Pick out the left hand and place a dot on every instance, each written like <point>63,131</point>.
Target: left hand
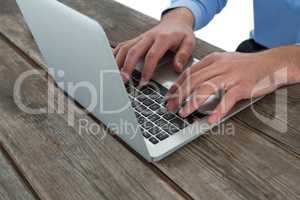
<point>239,75</point>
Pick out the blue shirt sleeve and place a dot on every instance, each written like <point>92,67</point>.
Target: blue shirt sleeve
<point>203,10</point>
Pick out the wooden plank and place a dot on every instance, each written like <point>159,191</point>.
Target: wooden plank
<point>12,186</point>
<point>243,166</point>
<point>64,162</point>
<point>288,139</point>
<point>246,165</point>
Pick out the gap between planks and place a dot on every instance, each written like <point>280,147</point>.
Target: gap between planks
<point>18,171</point>
<point>272,140</point>
<point>151,166</point>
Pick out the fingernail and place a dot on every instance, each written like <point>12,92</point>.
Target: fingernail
<point>125,77</point>
<point>182,113</point>
<point>179,65</point>
<point>168,106</point>
<point>170,95</point>
<point>142,83</point>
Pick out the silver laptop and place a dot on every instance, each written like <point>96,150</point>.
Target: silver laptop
<point>78,53</point>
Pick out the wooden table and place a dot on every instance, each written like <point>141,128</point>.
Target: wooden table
<point>41,157</point>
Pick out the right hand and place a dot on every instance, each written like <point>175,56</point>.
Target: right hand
<point>174,32</point>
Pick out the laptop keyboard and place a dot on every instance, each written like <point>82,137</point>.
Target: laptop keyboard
<point>155,122</point>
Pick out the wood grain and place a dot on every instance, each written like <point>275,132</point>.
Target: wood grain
<point>276,124</point>
<point>12,186</point>
<point>242,166</point>
<point>256,162</point>
<point>64,162</point>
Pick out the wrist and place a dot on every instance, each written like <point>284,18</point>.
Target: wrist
<point>292,56</point>
<point>180,15</point>
<point>288,57</point>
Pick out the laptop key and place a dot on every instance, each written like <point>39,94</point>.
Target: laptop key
<point>141,97</point>
<point>147,125</point>
<point>135,93</point>
<point>162,136</point>
<point>147,91</point>
<point>161,122</point>
<point>199,115</point>
<point>169,116</point>
<point>146,134</point>
<point>137,104</point>
<point>133,103</point>
<point>147,102</point>
<point>161,111</point>
<point>154,130</point>
<point>171,129</point>
<point>154,96</point>
<point>159,100</point>
<point>139,107</point>
<point>146,112</point>
<point>190,119</point>
<point>137,114</point>
<point>142,130</point>
<point>179,123</point>
<point>141,120</point>
<point>153,117</point>
<point>159,88</point>
<point>155,107</point>
<point>153,140</point>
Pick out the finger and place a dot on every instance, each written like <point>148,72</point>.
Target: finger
<point>123,49</point>
<point>155,53</point>
<point>200,96</point>
<point>178,82</point>
<point>121,56</point>
<point>116,50</point>
<point>135,54</point>
<point>231,97</point>
<point>190,83</point>
<point>207,61</point>
<point>184,53</point>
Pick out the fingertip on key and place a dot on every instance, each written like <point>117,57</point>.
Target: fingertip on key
<point>125,77</point>
<point>182,113</point>
<point>143,83</point>
<point>179,67</point>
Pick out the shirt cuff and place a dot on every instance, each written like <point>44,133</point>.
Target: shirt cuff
<point>194,7</point>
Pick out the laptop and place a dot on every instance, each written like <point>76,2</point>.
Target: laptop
<point>78,54</point>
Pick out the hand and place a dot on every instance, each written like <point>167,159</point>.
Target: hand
<point>239,75</point>
<point>174,32</point>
